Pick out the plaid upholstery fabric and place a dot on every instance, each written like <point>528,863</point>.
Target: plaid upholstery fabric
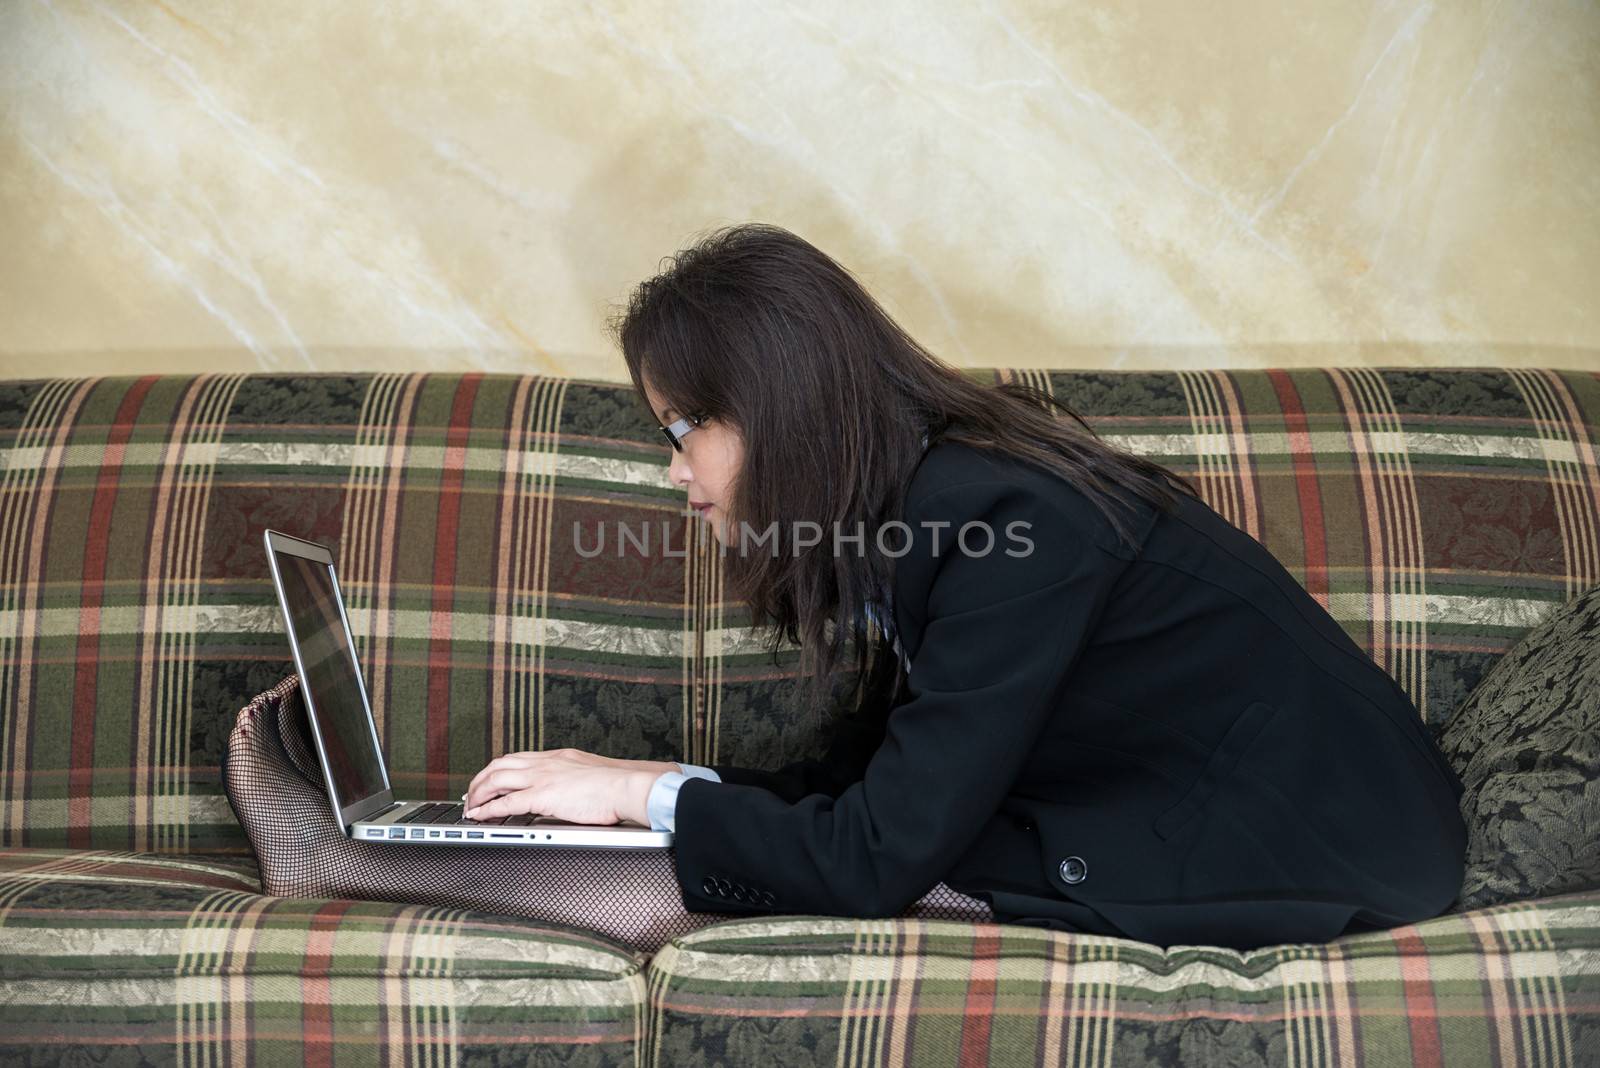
<point>165,960</point>
<point>1437,513</point>
<point>1508,985</point>
<point>138,618</point>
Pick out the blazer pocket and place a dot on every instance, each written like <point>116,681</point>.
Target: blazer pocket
<point>1218,766</point>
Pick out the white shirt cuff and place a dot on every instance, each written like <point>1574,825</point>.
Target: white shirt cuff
<point>662,805</point>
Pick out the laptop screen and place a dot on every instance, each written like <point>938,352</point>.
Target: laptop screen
<point>331,679</point>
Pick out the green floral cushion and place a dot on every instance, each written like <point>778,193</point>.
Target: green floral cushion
<point>1526,743</point>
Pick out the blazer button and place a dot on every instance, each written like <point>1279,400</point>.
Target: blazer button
<point>724,888</point>
<point>1074,870</point>
<point>738,892</point>
<point>709,885</point>
<point>766,897</point>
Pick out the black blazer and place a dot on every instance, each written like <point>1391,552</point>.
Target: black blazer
<point>1173,743</point>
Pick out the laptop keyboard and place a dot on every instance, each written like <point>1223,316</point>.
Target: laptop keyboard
<point>450,812</point>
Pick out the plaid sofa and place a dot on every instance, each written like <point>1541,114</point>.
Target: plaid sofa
<point>1437,513</point>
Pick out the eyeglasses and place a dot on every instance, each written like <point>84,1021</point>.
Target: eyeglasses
<point>678,428</point>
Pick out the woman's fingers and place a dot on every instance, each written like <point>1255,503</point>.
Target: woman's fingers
<point>511,804</point>
<point>529,759</point>
<point>499,782</point>
<point>560,789</point>
<point>504,792</point>
<point>515,771</point>
<point>499,763</point>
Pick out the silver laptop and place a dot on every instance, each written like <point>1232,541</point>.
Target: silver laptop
<point>347,737</point>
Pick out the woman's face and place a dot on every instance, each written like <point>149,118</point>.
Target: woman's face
<point>706,466</point>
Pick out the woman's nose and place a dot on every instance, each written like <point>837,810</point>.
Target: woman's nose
<point>678,471</point>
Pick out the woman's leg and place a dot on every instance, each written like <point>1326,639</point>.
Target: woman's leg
<point>944,903</point>
<point>632,896</point>
<point>274,784</point>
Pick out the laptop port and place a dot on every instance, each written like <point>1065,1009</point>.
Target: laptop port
<point>418,832</point>
<point>505,836</point>
<point>433,834</point>
<point>474,834</point>
<point>374,832</point>
<point>397,832</point>
<point>452,834</point>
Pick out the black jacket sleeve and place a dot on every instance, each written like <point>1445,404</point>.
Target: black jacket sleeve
<point>1000,634</point>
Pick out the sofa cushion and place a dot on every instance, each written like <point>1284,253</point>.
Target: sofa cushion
<point>1519,980</point>
<point>137,614</point>
<point>1426,507</point>
<point>169,960</point>
<point>20,866</point>
<point>1526,744</point>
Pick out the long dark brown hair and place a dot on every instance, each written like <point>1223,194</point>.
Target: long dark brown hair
<point>757,328</point>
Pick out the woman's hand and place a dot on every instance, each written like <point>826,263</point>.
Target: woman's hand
<point>566,784</point>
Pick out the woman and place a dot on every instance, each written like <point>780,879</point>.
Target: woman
<point>1090,701</point>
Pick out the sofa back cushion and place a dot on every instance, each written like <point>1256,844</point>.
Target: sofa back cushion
<point>1437,513</point>
<point>139,616</point>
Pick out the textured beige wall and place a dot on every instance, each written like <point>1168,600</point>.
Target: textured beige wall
<point>204,185</point>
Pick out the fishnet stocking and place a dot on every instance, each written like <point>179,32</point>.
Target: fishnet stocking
<point>274,783</point>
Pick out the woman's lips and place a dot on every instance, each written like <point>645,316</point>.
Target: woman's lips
<point>700,506</point>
